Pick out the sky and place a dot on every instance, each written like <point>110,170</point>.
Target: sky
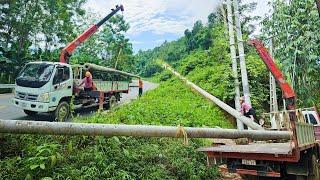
<point>154,21</point>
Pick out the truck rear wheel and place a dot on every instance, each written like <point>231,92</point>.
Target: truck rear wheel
<point>62,112</point>
<point>315,169</point>
<point>30,113</point>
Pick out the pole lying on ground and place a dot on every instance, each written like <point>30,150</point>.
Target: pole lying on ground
<point>67,128</point>
<point>221,104</point>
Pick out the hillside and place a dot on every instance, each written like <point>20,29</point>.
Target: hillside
<point>210,67</point>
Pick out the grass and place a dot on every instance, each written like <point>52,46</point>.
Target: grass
<point>83,157</point>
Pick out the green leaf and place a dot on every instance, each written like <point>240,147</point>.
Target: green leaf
<point>34,166</point>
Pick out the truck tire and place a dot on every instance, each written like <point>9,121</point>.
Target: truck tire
<point>112,102</point>
<point>315,173</point>
<point>62,113</point>
<point>315,169</point>
<point>30,113</point>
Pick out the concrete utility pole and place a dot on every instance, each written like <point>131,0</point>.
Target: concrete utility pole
<point>243,68</point>
<point>273,94</point>
<point>234,61</point>
<point>108,130</point>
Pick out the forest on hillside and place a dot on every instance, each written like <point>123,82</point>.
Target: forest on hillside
<point>202,54</point>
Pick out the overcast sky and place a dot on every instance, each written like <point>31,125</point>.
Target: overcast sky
<point>154,21</point>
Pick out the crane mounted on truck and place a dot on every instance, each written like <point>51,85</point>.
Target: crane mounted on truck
<point>297,158</point>
<point>49,86</point>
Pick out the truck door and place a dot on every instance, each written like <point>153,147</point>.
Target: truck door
<point>61,84</point>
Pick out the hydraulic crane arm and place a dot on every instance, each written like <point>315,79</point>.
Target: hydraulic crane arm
<point>288,92</point>
<point>68,50</point>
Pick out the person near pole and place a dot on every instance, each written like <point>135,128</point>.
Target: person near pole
<point>247,110</point>
<point>87,81</point>
<point>140,87</point>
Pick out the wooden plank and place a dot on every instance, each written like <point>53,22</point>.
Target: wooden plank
<point>258,148</point>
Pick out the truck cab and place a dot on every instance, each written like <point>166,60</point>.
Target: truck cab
<point>43,86</point>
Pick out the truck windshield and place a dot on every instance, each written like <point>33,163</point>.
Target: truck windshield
<point>36,72</point>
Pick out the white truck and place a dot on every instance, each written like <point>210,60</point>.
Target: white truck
<point>49,87</point>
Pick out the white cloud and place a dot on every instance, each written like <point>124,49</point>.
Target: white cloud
<point>136,42</point>
<point>158,16</point>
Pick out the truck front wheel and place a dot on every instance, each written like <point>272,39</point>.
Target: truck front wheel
<point>62,112</point>
<point>30,113</point>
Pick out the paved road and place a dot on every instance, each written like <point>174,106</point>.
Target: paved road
<point>9,111</point>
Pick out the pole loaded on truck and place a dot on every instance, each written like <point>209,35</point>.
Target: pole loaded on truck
<point>49,86</point>
<point>294,159</point>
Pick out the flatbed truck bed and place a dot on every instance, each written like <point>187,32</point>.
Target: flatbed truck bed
<point>297,158</point>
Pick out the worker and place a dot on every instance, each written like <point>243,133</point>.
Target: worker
<point>140,87</point>
<point>247,110</point>
<point>87,81</point>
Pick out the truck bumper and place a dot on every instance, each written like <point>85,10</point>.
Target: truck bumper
<point>32,106</point>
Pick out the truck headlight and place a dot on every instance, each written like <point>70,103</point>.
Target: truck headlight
<point>44,97</point>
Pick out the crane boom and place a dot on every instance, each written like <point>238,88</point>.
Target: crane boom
<point>68,50</point>
<point>287,90</point>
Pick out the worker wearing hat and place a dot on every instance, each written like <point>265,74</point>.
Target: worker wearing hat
<point>247,110</point>
<point>87,81</point>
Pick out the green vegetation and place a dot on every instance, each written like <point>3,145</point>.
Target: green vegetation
<point>81,157</point>
<point>294,26</point>
<point>171,104</point>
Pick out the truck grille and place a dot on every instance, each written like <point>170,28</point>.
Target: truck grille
<point>26,96</point>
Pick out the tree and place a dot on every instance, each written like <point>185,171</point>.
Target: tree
<point>32,29</point>
<point>294,26</point>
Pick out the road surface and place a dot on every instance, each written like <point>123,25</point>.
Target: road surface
<point>9,111</point>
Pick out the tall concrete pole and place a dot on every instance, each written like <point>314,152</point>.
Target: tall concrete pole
<point>243,68</point>
<point>273,94</point>
<point>234,61</point>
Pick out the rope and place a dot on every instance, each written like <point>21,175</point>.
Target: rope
<point>181,132</point>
